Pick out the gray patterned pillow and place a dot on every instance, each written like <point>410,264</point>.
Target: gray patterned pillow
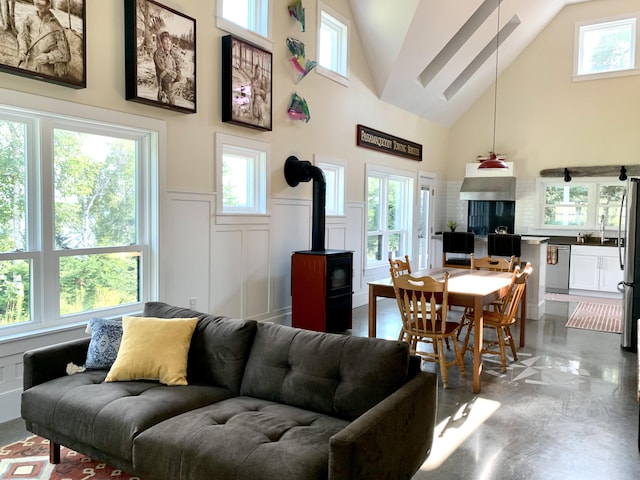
<point>106,335</point>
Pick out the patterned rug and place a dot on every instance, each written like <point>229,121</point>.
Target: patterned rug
<point>597,316</point>
<point>29,460</point>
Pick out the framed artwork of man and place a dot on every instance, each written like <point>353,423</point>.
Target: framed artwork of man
<point>45,40</point>
<point>160,56</point>
<point>246,84</point>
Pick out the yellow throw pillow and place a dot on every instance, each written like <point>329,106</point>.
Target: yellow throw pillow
<point>153,349</point>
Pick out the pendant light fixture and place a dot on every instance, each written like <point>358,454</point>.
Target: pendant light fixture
<point>493,161</point>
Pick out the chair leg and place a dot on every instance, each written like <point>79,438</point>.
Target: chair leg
<point>503,353</point>
<point>465,343</point>
<point>512,344</point>
<point>459,358</point>
<point>443,364</point>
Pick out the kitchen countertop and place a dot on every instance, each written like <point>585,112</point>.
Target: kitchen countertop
<point>592,242</point>
<point>527,239</point>
<point>552,240</point>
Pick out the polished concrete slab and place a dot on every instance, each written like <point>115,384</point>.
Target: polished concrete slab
<point>565,410</point>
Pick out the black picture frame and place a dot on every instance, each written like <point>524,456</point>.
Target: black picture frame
<point>54,53</point>
<point>153,75</point>
<point>246,84</point>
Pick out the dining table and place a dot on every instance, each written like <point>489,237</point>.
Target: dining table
<point>467,288</point>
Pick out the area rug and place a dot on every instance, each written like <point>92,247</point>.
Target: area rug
<point>563,297</point>
<point>29,460</point>
<point>597,316</point>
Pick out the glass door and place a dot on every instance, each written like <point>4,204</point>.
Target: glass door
<point>424,223</point>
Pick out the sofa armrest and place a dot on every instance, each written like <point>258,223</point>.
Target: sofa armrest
<point>46,363</point>
<point>392,439</point>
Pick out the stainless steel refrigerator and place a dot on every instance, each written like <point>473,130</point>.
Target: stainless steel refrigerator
<point>630,263</point>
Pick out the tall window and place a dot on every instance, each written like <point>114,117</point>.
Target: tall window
<point>606,48</point>
<point>334,178</point>
<point>249,19</point>
<point>242,166</point>
<point>333,44</point>
<point>75,220</point>
<point>389,213</point>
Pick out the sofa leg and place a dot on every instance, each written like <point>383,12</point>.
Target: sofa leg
<point>54,452</point>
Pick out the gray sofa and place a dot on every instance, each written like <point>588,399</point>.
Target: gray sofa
<point>264,401</point>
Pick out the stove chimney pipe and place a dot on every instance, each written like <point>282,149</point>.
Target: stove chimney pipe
<point>296,171</point>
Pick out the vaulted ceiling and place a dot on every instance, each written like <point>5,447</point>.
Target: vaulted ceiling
<point>436,57</point>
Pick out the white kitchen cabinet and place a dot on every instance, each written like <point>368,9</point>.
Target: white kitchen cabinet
<point>594,268</point>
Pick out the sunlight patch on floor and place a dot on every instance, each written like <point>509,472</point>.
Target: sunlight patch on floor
<point>454,430</point>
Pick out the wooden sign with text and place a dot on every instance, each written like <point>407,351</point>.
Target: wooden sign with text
<point>383,142</point>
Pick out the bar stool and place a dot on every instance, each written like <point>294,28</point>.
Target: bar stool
<point>504,245</point>
<point>457,243</point>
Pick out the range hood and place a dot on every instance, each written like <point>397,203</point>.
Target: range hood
<point>488,188</point>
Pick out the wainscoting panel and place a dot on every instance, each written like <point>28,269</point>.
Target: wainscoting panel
<point>355,239</point>
<point>185,258</point>
<point>227,267</point>
<point>257,267</point>
<point>291,232</point>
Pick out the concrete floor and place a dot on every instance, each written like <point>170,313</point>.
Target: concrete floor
<point>566,410</point>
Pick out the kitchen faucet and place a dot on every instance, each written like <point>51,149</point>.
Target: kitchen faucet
<point>602,238</point>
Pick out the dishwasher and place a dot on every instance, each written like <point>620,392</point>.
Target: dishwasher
<point>558,273</point>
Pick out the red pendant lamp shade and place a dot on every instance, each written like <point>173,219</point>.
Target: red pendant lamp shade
<point>493,162</point>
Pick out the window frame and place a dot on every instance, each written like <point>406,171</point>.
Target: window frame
<point>42,116</point>
<point>335,203</point>
<point>260,183</point>
<point>594,185</point>
<point>340,54</point>
<point>262,12</point>
<point>407,214</point>
<point>591,25</point>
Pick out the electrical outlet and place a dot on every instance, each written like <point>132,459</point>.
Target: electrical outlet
<point>192,303</point>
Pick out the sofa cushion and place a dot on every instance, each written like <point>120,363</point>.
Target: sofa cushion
<point>106,335</point>
<point>108,416</point>
<point>153,349</point>
<point>338,375</point>
<point>238,438</point>
<point>219,346</point>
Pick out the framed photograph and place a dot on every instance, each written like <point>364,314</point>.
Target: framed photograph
<point>45,40</point>
<point>160,56</point>
<point>246,84</point>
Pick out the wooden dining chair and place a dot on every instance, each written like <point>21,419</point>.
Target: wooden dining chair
<point>502,319</point>
<point>423,322</point>
<point>401,267</point>
<point>493,264</point>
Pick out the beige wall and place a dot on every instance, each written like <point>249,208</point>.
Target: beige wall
<point>545,120</point>
<point>335,109</point>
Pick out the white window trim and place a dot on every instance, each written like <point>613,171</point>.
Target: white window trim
<point>618,73</point>
<point>593,183</point>
<point>248,35</point>
<point>225,218</point>
<point>336,166</point>
<point>326,72</point>
<point>375,170</point>
<point>60,111</point>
